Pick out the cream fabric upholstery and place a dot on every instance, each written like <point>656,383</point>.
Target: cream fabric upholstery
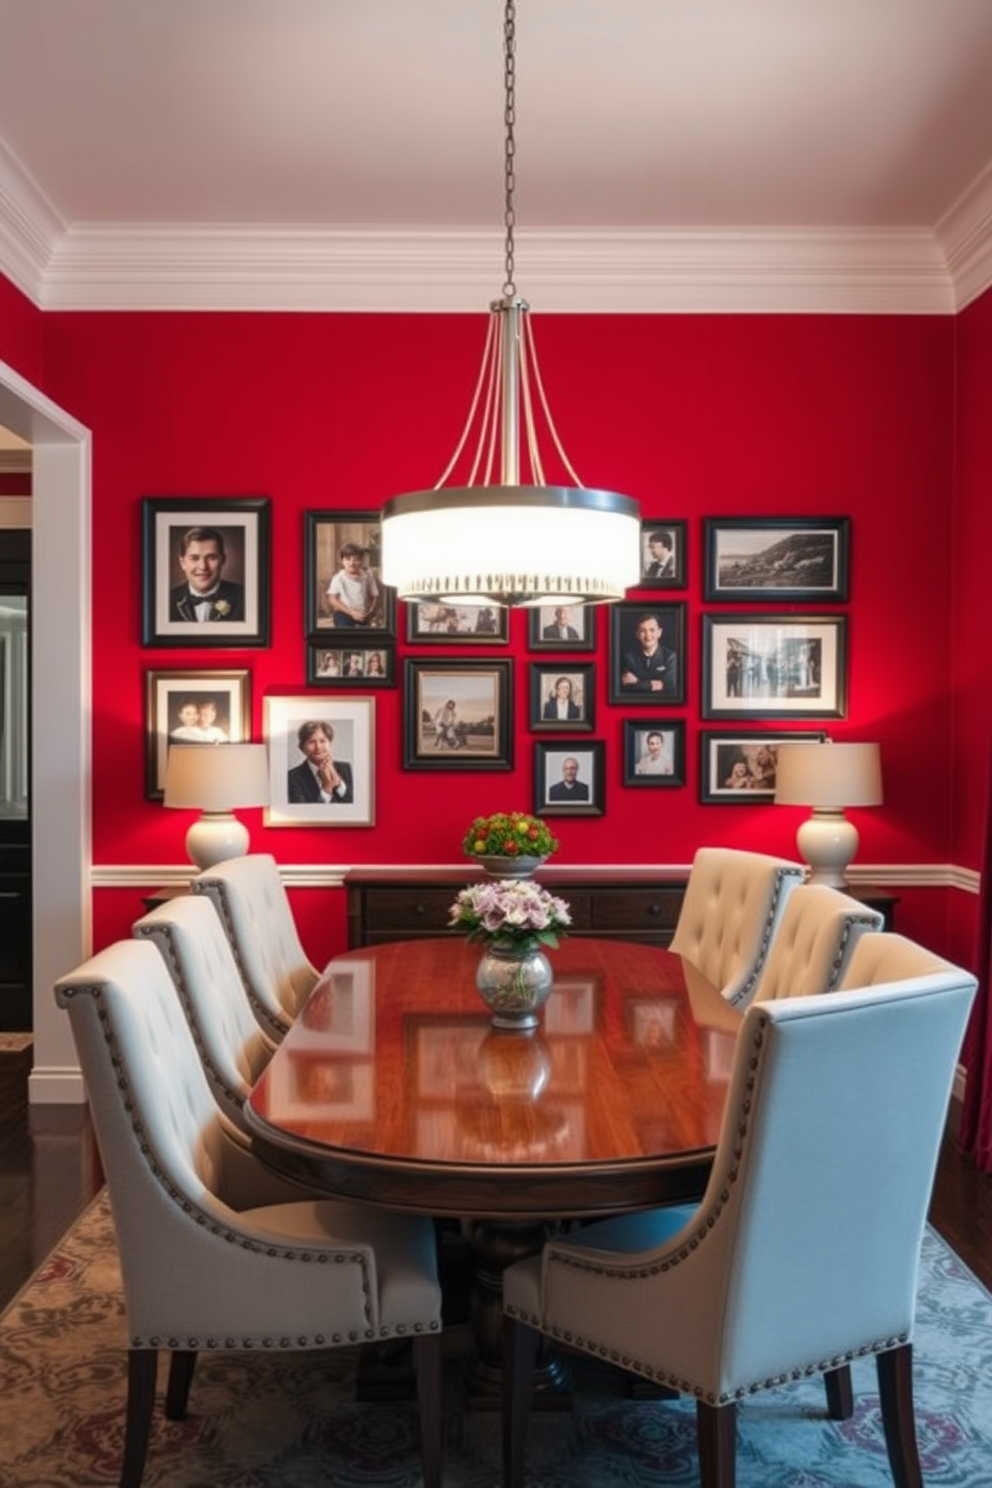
<point>888,957</point>
<point>200,1270</point>
<point>731,909</point>
<point>803,1252</point>
<point>232,1047</point>
<point>814,942</point>
<point>255,912</point>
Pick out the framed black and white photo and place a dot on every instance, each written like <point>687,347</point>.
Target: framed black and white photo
<point>434,623</point>
<point>359,663</point>
<point>342,575</point>
<point>569,778</point>
<point>653,753</point>
<point>321,761</point>
<point>774,666</point>
<point>205,571</point>
<point>738,768</point>
<point>192,708</point>
<point>647,654</point>
<point>562,627</point>
<point>803,559</point>
<point>562,695</point>
<point>457,715</point>
<point>663,554</point>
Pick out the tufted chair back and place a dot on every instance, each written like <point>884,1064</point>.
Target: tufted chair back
<point>813,944</point>
<point>732,906</point>
<point>201,1270</point>
<point>888,957</point>
<point>232,1047</point>
<point>249,897</point>
<point>803,1252</point>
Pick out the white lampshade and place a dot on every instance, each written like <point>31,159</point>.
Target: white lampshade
<point>828,777</point>
<point>216,778</point>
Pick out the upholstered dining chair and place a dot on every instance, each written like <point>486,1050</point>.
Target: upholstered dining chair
<point>232,1046</point>
<point>258,920</point>
<point>732,906</point>
<point>803,1252</point>
<point>201,1270</point>
<point>813,944</point>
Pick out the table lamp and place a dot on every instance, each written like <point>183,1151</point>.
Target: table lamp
<point>828,777</point>
<point>215,778</point>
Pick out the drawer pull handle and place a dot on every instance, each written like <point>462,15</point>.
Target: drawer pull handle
<point>420,909</point>
<point>654,909</point>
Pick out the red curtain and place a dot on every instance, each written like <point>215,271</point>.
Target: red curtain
<point>976,1117</point>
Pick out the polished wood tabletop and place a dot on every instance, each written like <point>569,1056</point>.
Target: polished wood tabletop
<point>392,1086</point>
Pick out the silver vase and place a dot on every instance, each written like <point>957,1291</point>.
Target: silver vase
<point>514,983</point>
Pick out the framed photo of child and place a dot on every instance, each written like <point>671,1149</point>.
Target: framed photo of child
<point>345,594</point>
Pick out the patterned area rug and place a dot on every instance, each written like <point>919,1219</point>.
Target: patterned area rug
<point>291,1421</point>
<point>14,1043</point>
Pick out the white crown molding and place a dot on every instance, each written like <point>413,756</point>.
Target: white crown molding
<point>30,227</point>
<point>965,233</point>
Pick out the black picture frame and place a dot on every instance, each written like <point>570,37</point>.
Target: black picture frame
<point>672,554</point>
<point>330,663</point>
<point>641,769</point>
<point>549,777</point>
<point>542,630</point>
<point>325,534</point>
<point>170,695</point>
<point>239,526</point>
<point>438,624</point>
<point>625,620</point>
<point>581,700</point>
<point>732,770</point>
<point>802,560</point>
<point>480,734</point>
<point>773,666</point>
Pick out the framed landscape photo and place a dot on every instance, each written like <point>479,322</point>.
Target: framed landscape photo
<point>333,663</point>
<point>774,666</point>
<point>436,624</point>
<point>569,778</point>
<point>457,715</point>
<point>562,695</point>
<point>321,761</point>
<point>653,753</point>
<point>192,708</point>
<point>647,654</point>
<point>802,559</point>
<point>566,627</point>
<point>205,571</point>
<point>663,554</point>
<point>342,575</point>
<point>739,768</point>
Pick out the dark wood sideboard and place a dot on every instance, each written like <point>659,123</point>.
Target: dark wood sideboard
<point>640,904</point>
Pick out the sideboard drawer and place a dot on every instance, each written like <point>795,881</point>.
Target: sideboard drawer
<point>653,910</point>
<point>414,909</point>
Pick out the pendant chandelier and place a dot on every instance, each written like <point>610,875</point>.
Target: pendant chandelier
<point>501,541</point>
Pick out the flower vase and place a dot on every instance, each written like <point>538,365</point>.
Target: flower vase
<point>509,867</point>
<point>514,983</point>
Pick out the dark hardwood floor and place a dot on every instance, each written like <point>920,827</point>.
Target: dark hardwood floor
<point>50,1170</point>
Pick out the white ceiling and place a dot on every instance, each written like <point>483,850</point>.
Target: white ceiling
<point>671,154</point>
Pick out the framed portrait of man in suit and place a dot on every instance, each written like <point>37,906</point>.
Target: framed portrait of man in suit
<point>205,571</point>
<point>321,761</point>
<point>562,627</point>
<point>663,554</point>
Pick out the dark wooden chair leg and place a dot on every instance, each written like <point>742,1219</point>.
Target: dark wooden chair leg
<point>716,1434</point>
<point>427,1368</point>
<point>181,1367</point>
<point>141,1374</point>
<point>895,1388</point>
<point>840,1393</point>
<point>520,1347</point>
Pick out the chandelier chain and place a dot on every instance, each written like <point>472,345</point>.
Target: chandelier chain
<point>509,120</point>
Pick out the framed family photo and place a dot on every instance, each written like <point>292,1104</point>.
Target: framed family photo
<point>434,623</point>
<point>562,695</point>
<point>569,778</point>
<point>653,753</point>
<point>205,571</point>
<point>192,708</point>
<point>342,575</point>
<point>562,627</point>
<point>332,663</point>
<point>739,768</point>
<point>647,654</point>
<point>774,666</point>
<point>777,558</point>
<point>321,761</point>
<point>457,715</point>
<point>663,554</point>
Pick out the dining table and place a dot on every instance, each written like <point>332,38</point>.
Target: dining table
<point>393,1088</point>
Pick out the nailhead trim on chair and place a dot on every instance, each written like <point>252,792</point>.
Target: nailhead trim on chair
<point>277,1027</point>
<point>782,875</point>
<point>654,1268</point>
